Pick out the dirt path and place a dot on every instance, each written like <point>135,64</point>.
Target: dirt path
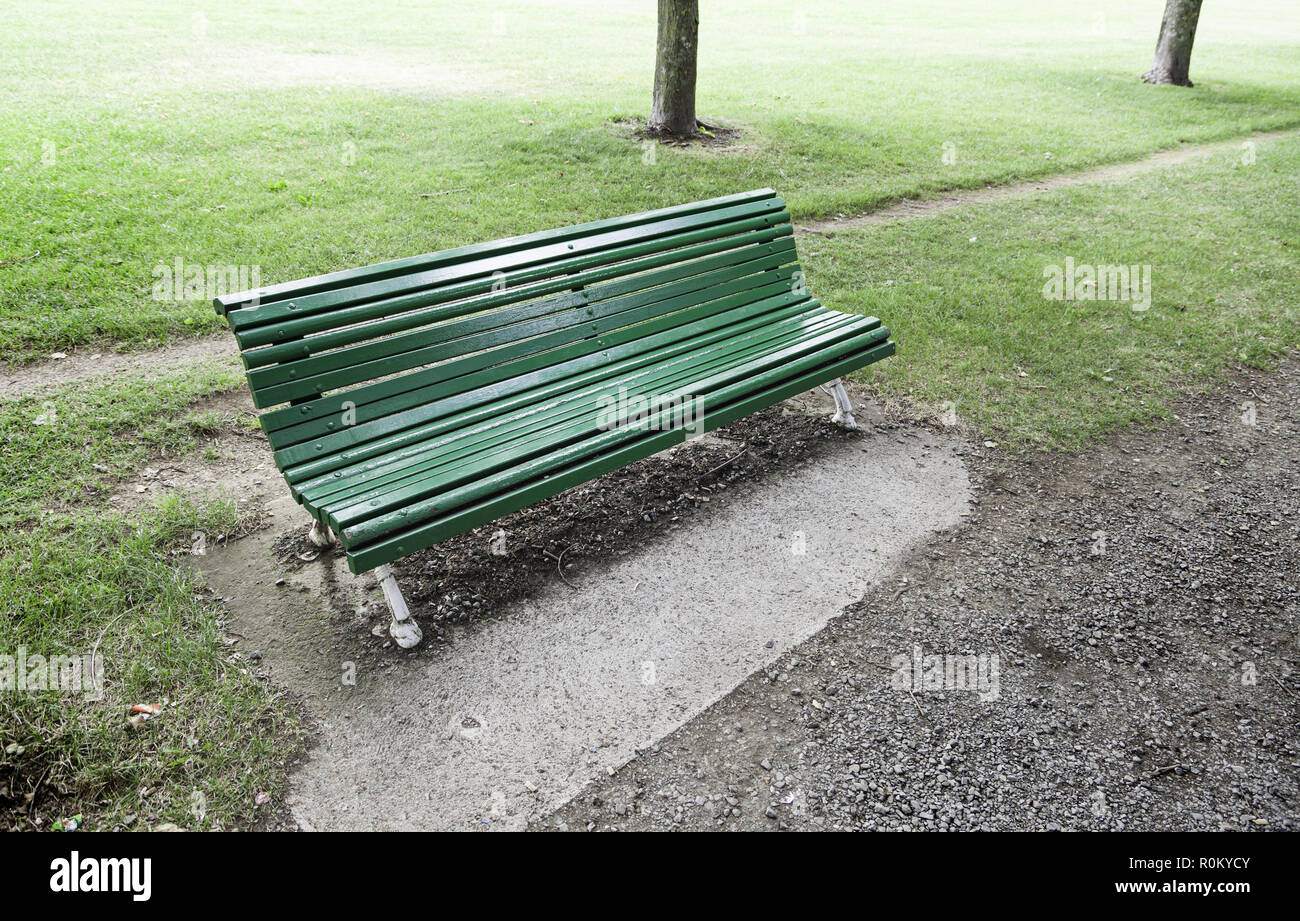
<point>948,201</point>
<point>87,365</point>
<point>1140,601</point>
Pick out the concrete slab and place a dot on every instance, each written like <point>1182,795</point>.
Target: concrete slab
<point>516,713</point>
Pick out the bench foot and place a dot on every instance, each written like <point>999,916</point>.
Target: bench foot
<point>404,630</point>
<point>320,534</point>
<point>843,408</point>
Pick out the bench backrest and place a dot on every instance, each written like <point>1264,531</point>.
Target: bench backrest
<point>357,354</point>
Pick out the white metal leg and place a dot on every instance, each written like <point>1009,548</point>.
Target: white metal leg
<point>320,534</point>
<point>404,630</point>
<point>843,408</point>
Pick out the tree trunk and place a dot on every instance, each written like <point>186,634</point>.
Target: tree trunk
<point>673,111</point>
<point>1174,47</point>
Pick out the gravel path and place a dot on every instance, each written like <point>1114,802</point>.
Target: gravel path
<point>1142,604</point>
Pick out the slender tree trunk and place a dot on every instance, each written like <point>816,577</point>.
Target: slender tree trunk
<point>1174,47</point>
<point>673,111</point>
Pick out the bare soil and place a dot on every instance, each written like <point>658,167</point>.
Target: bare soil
<point>240,468</point>
<point>88,364</point>
<point>948,201</point>
<point>709,137</point>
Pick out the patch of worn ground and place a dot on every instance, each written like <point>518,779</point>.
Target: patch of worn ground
<point>947,201</point>
<point>89,364</point>
<point>1140,598</point>
<point>237,465</point>
<point>693,571</point>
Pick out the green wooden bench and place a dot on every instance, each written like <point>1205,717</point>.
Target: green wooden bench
<point>412,400</point>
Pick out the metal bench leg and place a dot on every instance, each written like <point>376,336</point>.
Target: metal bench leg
<point>404,630</point>
<point>320,534</point>
<point>843,408</point>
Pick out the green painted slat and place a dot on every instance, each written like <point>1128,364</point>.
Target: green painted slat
<point>428,499</point>
<point>400,490</point>
<point>333,404</point>
<point>538,417</point>
<point>376,343</point>
<point>407,500</point>
<point>386,551</point>
<point>545,423</point>
<point>661,347</point>
<point>767,211</point>
<point>507,361</point>
<point>459,254</point>
<point>519,284</point>
<point>491,384</point>
<point>380,318</point>
<point>386,398</point>
<point>401,353</point>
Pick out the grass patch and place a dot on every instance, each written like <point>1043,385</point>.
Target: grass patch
<point>94,581</point>
<point>78,578</point>
<point>64,447</point>
<point>297,140</point>
<point>964,294</point>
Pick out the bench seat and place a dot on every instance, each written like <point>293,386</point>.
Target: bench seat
<point>413,400</point>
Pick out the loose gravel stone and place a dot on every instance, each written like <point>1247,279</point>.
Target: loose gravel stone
<point>1137,616</point>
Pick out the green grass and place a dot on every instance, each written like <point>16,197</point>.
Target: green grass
<point>97,582</point>
<point>65,447</point>
<point>78,577</point>
<point>964,294</point>
<point>299,139</point>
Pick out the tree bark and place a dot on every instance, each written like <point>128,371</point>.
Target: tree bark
<point>1174,47</point>
<point>673,111</point>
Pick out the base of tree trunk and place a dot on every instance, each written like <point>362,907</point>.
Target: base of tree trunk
<point>705,134</point>
<point>1162,76</point>
<point>665,132</point>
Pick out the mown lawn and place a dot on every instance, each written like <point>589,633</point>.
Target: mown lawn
<point>299,138</point>
<point>79,577</point>
<point>978,339</point>
<point>93,583</point>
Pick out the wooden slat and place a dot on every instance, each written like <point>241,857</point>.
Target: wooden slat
<point>382,270</point>
<point>387,398</point>
<point>548,422</point>
<point>495,383</point>
<point>432,496</point>
<point>766,212</point>
<point>507,500</point>
<point>405,492</point>
<point>302,338</point>
<point>470,408</point>
<point>384,357</point>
